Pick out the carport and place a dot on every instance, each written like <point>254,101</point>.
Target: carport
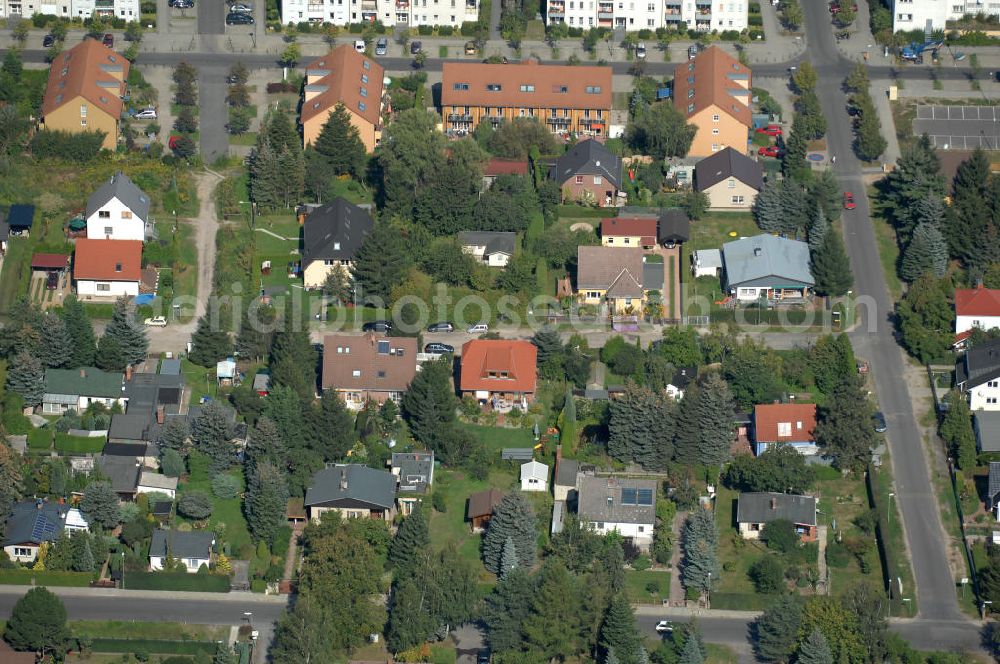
<point>959,127</point>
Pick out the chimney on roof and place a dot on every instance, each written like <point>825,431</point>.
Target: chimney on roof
<point>128,372</point>
<point>757,251</point>
<point>774,503</point>
<point>83,373</point>
<point>160,415</point>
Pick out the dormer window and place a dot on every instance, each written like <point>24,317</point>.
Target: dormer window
<point>494,87</point>
<point>364,92</point>
<point>362,107</point>
<point>527,88</point>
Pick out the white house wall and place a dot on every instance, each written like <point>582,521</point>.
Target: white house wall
<point>115,227</point>
<point>86,288</point>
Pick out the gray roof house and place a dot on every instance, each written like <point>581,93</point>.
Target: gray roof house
<point>414,471</point>
<point>120,187</point>
<point>334,231</point>
<point>353,491</point>
<point>123,472</point>
<point>77,388</point>
<point>495,248</point>
<point>987,426</point>
<point>152,400</point>
<point>980,364</point>
<point>753,510</point>
<point>193,548</point>
<point>726,164</point>
<point>32,522</point>
<point>588,157</point>
<point>673,227</point>
<point>765,265</point>
<point>615,504</point>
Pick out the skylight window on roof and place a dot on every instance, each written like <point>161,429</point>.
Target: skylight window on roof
<point>367,65</point>
<point>494,87</point>
<point>691,93</point>
<point>364,78</point>
<point>364,92</point>
<point>630,497</point>
<point>691,79</point>
<point>460,86</point>
<point>383,347</point>
<point>560,88</point>
<point>690,108</point>
<point>593,89</point>
<point>645,497</point>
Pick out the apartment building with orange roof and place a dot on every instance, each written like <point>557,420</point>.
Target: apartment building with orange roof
<point>712,91</point>
<point>344,76</point>
<point>566,99</point>
<point>84,91</point>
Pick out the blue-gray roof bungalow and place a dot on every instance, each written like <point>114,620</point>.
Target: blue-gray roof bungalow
<point>765,266</point>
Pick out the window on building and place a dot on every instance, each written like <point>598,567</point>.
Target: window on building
<point>560,89</point>
<point>715,147</point>
<point>593,89</point>
<point>598,179</point>
<point>579,179</point>
<point>364,78</point>
<point>362,107</point>
<point>356,373</point>
<point>364,92</point>
<point>109,230</point>
<point>461,86</point>
<point>527,87</point>
<point>494,87</point>
<point>83,110</point>
<point>104,214</point>
<point>691,93</point>
<point>732,183</point>
<point>715,131</point>
<point>992,383</point>
<point>103,287</point>
<point>715,118</point>
<point>737,200</point>
<point>22,551</point>
<point>991,400</point>
<point>126,214</point>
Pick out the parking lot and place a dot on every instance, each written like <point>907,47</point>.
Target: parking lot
<point>959,127</point>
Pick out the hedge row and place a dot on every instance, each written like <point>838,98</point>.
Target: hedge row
<point>883,539</point>
<point>205,583</point>
<point>153,646</point>
<point>27,577</point>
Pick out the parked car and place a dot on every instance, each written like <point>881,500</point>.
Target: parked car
<point>146,114</point>
<point>439,348</point>
<point>692,51</point>
<point>381,46</point>
<point>640,50</point>
<point>440,327</point>
<point>849,203</point>
<point>770,130</point>
<point>239,18</point>
<point>48,40</point>
<point>415,47</point>
<point>878,420</point>
<point>664,627</point>
<point>359,45</point>
<point>483,657</point>
<point>470,48</point>
<point>377,326</point>
<point>155,321</point>
<point>479,328</point>
<point>109,40</point>
<point>52,280</point>
<point>771,151</point>
<point>241,8</point>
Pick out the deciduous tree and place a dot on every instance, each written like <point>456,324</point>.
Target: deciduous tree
<point>779,469</point>
<point>195,505</point>
<point>660,131</point>
<point>956,430</point>
<point>381,264</point>
<point>926,317</point>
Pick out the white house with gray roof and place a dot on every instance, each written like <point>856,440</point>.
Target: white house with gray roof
<point>494,249</point>
<point>756,510</point>
<point>353,491</point>
<point>193,548</point>
<point>118,210</point>
<point>615,504</point>
<point>765,266</point>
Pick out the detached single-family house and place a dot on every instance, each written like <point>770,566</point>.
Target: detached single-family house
<point>118,210</point>
<point>153,400</point>
<point>755,510</point>
<point>977,373</point>
<point>368,368</point>
<point>123,473</point>
<point>77,389</point>
<point>765,266</point>
<point>975,307</point>
<point>353,491</point>
<point>589,173</point>
<point>613,276</point>
<point>712,92</point>
<point>500,373</point>
<point>730,179</point>
<point>479,509</point>
<point>32,522</point>
<point>534,476</point>
<point>629,232</point>
<point>107,268</point>
<point>193,548</point>
<point>622,505</point>
<point>986,424</point>
<point>414,473</point>
<point>791,424</point>
<point>145,454</point>
<point>681,379</point>
<point>993,490</point>
<point>497,167</point>
<point>343,76</point>
<point>331,237</point>
<point>156,483</point>
<point>494,249</point>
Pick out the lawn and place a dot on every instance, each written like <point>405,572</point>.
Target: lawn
<point>248,139</point>
<point>735,552</point>
<point>40,439</point>
<point>16,268</point>
<point>636,582</point>
<point>897,543</point>
<point>713,229</point>
<point>842,500</point>
<point>225,512</point>
<point>497,438</point>
<point>888,251</point>
<point>352,191</point>
<point>68,444</point>
<point>169,631</point>
<point>200,379</point>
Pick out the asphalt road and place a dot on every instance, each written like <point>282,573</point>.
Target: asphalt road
<point>211,17</point>
<point>935,589</point>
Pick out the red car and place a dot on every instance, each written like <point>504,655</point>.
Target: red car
<point>770,130</point>
<point>771,151</point>
<point>109,40</point>
<point>849,201</point>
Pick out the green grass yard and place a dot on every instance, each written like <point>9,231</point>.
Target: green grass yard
<point>224,511</point>
<point>497,438</point>
<point>167,631</point>
<point>636,582</point>
<point>67,444</point>
<point>888,251</point>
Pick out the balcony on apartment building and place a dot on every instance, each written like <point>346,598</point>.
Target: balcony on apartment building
<point>104,4</point>
<point>672,9</point>
<point>402,4</point>
<point>703,8</point>
<point>459,117</point>
<point>557,9</point>
<point>605,11</point>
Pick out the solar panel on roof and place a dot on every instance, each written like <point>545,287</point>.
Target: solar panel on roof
<point>645,496</point>
<point>43,528</point>
<point>629,497</point>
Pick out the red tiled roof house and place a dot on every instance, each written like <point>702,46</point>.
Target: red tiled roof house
<point>976,307</point>
<point>629,232</point>
<point>499,372</point>
<point>787,423</point>
<point>107,268</point>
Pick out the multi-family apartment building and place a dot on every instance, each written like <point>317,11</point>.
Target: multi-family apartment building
<point>701,15</point>
<point>389,12</point>
<point>934,14</point>
<point>712,91</point>
<point>124,9</point>
<point>344,77</point>
<point>566,99</point>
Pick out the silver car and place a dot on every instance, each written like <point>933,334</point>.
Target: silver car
<point>241,8</point>
<point>381,46</point>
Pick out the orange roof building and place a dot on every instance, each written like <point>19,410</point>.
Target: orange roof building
<point>107,268</point>
<point>84,91</point>
<point>976,307</point>
<point>495,370</point>
<point>712,91</point>
<point>344,76</point>
<point>629,232</point>
<point>564,98</point>
<point>785,423</point>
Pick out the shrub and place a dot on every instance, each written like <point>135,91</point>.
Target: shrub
<point>78,146</point>
<point>225,486</point>
<point>195,505</point>
<point>641,563</point>
<point>281,87</point>
<point>258,585</point>
<point>468,29</point>
<point>425,30</point>
<point>439,499</point>
<point>445,30</point>
<point>837,555</point>
<point>780,535</point>
<point>653,587</point>
<point>768,575</point>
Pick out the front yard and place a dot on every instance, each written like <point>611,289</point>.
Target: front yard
<point>227,520</point>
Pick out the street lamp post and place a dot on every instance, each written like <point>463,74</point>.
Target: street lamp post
<point>889,511</point>
<point>123,570</point>
<point>709,593</point>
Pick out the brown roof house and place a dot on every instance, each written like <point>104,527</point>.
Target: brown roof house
<point>84,91</point>
<point>368,368</point>
<point>712,91</point>
<point>616,277</point>
<point>589,173</point>
<point>344,76</point>
<point>479,511</point>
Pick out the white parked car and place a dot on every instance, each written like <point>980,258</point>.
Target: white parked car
<point>146,114</point>
<point>359,45</point>
<point>664,627</point>
<point>156,321</point>
<point>479,328</point>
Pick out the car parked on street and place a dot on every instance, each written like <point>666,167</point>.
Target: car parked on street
<point>878,421</point>
<point>849,203</point>
<point>770,130</point>
<point>440,327</point>
<point>359,45</point>
<point>692,51</point>
<point>239,18</point>
<point>664,627</point>
<point>156,321</point>
<point>479,328</point>
<point>640,50</point>
<point>241,8</point>
<point>439,348</point>
<point>415,47</point>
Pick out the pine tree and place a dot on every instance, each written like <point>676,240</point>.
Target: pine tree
<point>508,559</point>
<point>843,426</point>
<point>85,561</point>
<point>618,633</point>
<point>340,144</point>
<point>174,434</point>
<point>429,408</point>
<point>513,518</point>
<point>266,502</point>
<point>109,355</point>
<point>818,228</point>
<point>715,417</point>
<point>830,267</point>
<point>292,175</point>
<point>264,174</point>
<point>794,162</point>
<point>100,504</point>
<point>916,177</point>
<point>293,358</point>
<point>410,620</point>
<point>795,207</point>
<point>56,345</point>
<point>553,625</point>
<point>212,432</point>
<point>927,251</point>
<point>336,429</point>
<point>26,377</point>
<point>209,345</point>
<point>381,264</point>
<point>815,650</point>
<point>956,430</point>
<point>641,427</point>
<point>223,654</point>
<point>254,338</point>
<point>701,561</point>
<point>411,543</point>
<point>869,144</point>
<point>550,352</point>
<point>929,210</point>
<point>971,221</point>
<point>692,652</point>
<point>767,208</point>
<point>507,610</point>
<point>129,334</point>
<point>337,284</point>
<point>610,657</point>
